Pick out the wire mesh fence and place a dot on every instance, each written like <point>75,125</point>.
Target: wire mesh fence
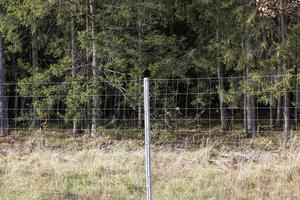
<point>183,111</point>
<point>69,108</point>
<point>197,110</point>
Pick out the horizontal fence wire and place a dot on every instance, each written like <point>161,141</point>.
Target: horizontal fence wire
<point>189,111</point>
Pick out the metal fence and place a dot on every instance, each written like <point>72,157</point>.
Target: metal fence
<point>183,111</point>
<point>198,110</point>
<point>68,107</point>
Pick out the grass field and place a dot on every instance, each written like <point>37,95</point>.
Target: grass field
<point>258,169</point>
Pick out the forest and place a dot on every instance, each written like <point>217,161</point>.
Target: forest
<point>224,96</point>
<point>61,59</point>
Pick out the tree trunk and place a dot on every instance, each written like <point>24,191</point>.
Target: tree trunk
<point>140,69</point>
<point>88,112</point>
<point>94,68</point>
<point>16,97</point>
<point>34,50</point>
<point>254,130</point>
<point>245,113</point>
<point>223,112</point>
<point>297,104</point>
<point>87,27</point>
<point>251,111</point>
<point>279,104</point>
<point>140,110</point>
<point>286,115</point>
<point>271,96</point>
<point>245,105</point>
<point>279,112</point>
<point>34,65</point>
<point>297,99</point>
<point>271,120</point>
<point>286,95</point>
<point>73,55</point>
<point>3,100</point>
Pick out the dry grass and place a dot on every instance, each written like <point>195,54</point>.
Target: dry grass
<point>117,172</point>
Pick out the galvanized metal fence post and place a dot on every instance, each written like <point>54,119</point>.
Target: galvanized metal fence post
<point>147,137</point>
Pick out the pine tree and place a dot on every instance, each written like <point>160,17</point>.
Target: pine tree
<point>3,100</point>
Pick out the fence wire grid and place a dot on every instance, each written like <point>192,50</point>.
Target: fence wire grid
<point>183,111</point>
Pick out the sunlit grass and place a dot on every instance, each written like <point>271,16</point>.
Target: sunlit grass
<point>117,172</point>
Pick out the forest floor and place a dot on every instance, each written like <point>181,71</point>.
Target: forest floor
<point>260,168</point>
